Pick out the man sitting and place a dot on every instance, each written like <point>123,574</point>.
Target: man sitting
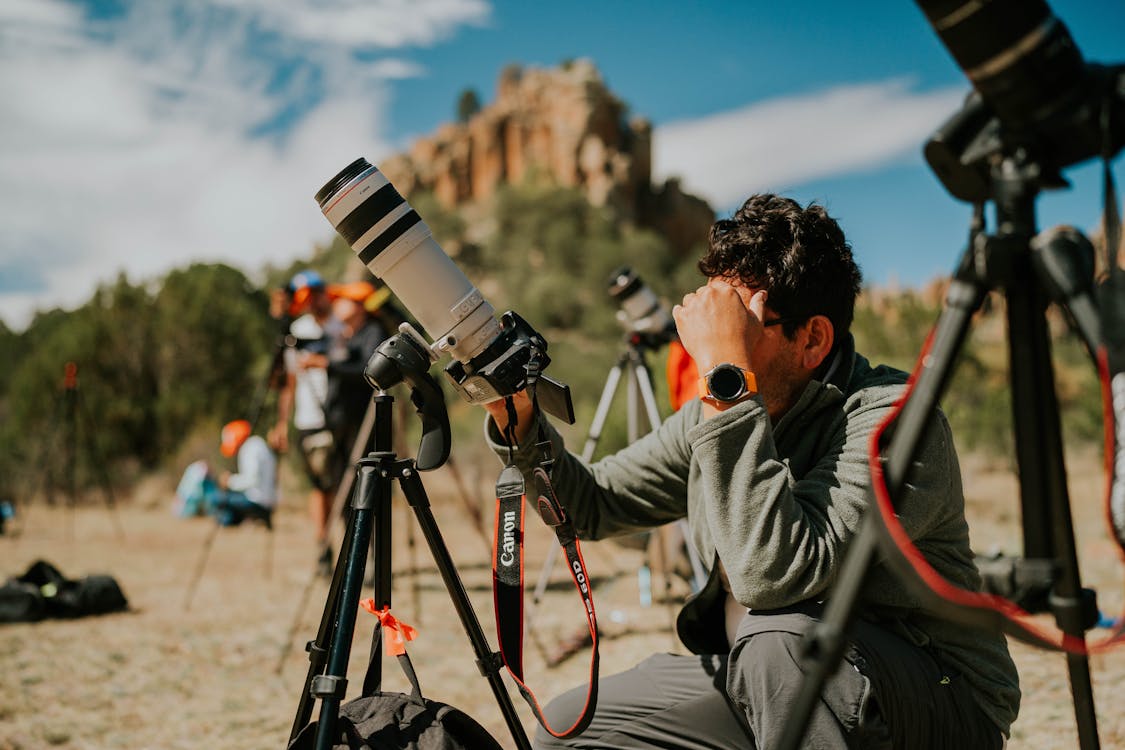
<point>252,492</point>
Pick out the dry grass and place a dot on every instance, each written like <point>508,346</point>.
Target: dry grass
<point>165,677</point>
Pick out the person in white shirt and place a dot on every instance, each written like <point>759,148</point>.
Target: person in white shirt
<point>316,334</point>
<point>252,491</point>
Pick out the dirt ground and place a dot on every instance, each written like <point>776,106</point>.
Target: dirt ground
<point>227,671</point>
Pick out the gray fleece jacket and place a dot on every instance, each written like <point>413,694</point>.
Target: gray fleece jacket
<point>777,504</point>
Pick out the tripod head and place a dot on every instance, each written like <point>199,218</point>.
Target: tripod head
<point>402,359</point>
<point>1033,93</point>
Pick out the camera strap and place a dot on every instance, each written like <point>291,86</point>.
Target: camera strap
<point>507,572</point>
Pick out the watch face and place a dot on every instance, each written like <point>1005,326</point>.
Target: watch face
<point>726,383</point>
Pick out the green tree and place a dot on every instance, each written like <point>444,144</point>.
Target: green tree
<point>211,346</point>
<point>150,369</point>
<point>108,341</point>
<point>468,104</point>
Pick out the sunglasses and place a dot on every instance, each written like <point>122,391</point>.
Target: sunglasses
<point>783,320</point>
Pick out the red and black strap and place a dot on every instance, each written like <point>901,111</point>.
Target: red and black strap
<point>507,574</point>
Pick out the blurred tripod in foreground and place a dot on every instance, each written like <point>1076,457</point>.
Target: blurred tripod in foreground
<point>1037,108</point>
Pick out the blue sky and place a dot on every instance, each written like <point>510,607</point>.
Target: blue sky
<point>141,136</point>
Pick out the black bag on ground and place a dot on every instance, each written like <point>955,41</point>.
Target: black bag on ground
<point>43,591</point>
<point>397,721</point>
<point>21,602</point>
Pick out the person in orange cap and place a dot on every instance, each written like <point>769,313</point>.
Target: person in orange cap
<point>252,491</point>
<point>316,332</point>
<point>355,305</point>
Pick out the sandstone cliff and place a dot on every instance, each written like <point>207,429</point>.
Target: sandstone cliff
<point>564,123</point>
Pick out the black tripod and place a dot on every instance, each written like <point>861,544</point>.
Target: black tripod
<point>276,372</point>
<point>361,446</point>
<point>70,417</point>
<point>1032,271</point>
<point>369,523</point>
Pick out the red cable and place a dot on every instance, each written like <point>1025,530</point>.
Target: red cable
<point>956,596</point>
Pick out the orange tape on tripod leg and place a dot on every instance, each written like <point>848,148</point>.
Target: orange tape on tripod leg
<point>396,632</point>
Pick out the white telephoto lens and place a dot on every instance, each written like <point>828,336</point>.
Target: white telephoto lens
<point>397,246</point>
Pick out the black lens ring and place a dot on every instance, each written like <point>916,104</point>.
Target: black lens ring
<point>346,175</point>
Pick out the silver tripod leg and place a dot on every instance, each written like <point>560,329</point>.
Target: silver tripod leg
<point>600,414</point>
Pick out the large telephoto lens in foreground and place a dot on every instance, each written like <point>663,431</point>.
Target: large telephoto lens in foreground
<point>397,246</point>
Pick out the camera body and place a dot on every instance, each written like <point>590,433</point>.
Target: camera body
<point>501,369</point>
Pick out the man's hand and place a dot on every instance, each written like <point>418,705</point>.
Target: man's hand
<point>524,413</point>
<point>718,323</point>
<point>278,438</point>
<point>224,480</point>
<point>312,361</point>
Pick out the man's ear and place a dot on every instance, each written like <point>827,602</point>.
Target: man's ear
<point>818,340</point>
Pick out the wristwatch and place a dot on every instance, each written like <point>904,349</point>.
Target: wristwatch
<point>727,384</point>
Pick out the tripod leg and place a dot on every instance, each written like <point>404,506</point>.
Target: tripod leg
<point>487,660</point>
<point>416,574</point>
<point>602,411</point>
<point>342,492</point>
<point>823,647</point>
<point>287,645</point>
<point>1048,527</point>
<point>472,510</point>
<point>642,403</point>
<point>330,686</point>
<point>210,540</point>
<point>269,552</point>
<point>326,632</point>
<point>648,398</point>
<point>100,464</point>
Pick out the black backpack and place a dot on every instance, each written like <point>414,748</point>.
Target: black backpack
<point>43,591</point>
<point>397,721</point>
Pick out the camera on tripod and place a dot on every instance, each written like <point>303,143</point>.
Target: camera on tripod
<point>491,358</point>
<point>1032,91</point>
<point>1036,108</point>
<point>644,317</point>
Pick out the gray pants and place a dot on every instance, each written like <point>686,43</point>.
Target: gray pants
<point>886,694</point>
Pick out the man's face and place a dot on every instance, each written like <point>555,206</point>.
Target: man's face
<point>349,312</point>
<point>320,303</point>
<point>776,359</point>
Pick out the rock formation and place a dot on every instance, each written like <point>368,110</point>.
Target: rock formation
<point>563,123</point>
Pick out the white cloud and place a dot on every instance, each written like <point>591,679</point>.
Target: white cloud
<point>129,146</point>
<point>390,23</point>
<point>780,143</point>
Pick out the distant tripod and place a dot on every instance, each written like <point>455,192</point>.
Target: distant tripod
<point>275,375</point>
<point>641,411</point>
<point>70,416</point>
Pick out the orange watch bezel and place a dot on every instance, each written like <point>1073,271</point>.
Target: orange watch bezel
<point>747,375</point>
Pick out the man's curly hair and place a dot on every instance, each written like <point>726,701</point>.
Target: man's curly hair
<point>799,255</point>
